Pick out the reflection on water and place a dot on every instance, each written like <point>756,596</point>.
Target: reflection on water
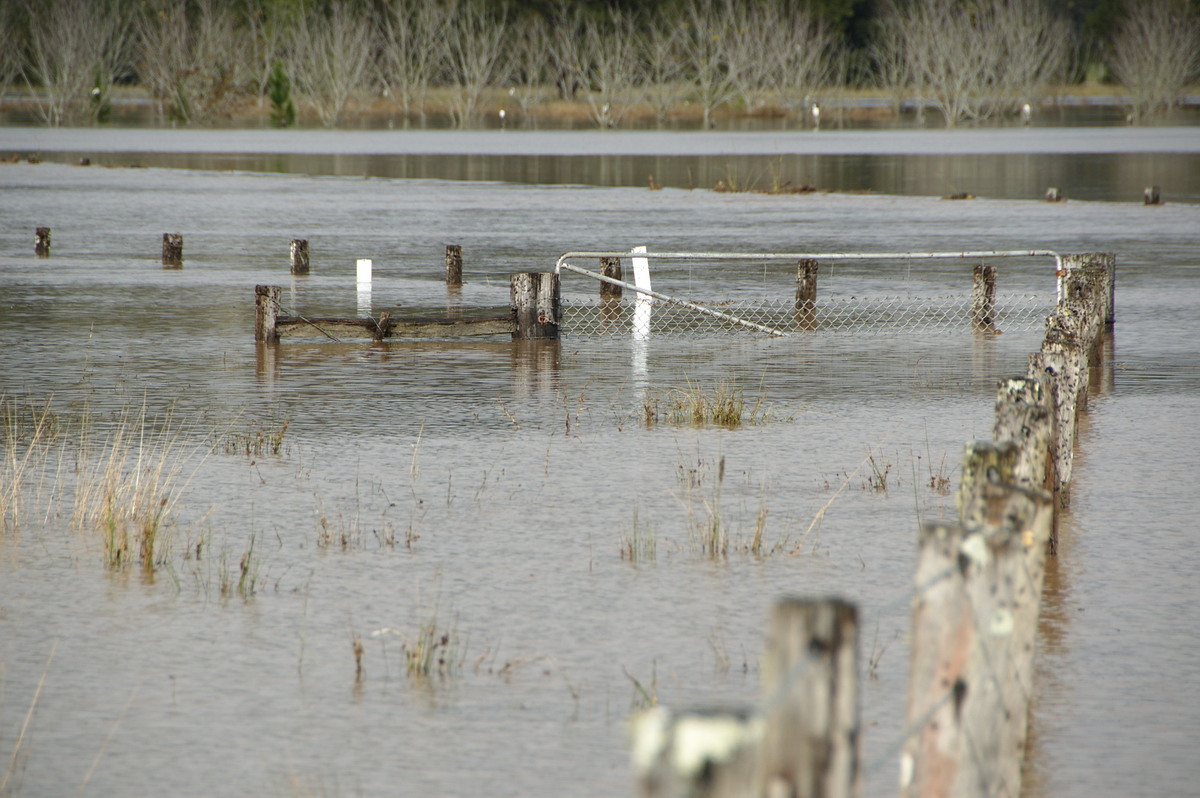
<point>492,484</point>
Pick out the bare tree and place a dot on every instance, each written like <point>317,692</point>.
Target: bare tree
<point>1156,53</point>
<point>332,53</point>
<point>75,50</point>
<point>889,65</point>
<point>704,33</point>
<point>530,66</point>
<point>193,63</point>
<point>1033,49</point>
<point>807,59</point>
<point>475,42</point>
<point>612,67</point>
<point>750,47</point>
<point>952,64</point>
<point>566,50</point>
<point>411,51</point>
<point>270,32</point>
<point>12,53</point>
<point>662,69</point>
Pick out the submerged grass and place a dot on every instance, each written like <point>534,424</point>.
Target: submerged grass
<point>128,486</point>
<point>257,439</point>
<point>724,406</point>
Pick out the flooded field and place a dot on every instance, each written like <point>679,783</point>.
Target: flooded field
<point>336,505</point>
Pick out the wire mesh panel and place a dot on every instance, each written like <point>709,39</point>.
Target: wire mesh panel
<point>777,293</point>
<point>885,315</point>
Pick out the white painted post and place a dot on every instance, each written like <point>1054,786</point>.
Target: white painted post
<point>364,286</point>
<point>644,302</point>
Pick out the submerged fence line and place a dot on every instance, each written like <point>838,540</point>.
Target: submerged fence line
<point>975,608</point>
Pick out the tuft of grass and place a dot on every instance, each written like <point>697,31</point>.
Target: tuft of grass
<point>128,487</point>
<point>256,440</point>
<point>27,428</point>
<point>877,480</point>
<point>723,406</point>
<point>640,544</point>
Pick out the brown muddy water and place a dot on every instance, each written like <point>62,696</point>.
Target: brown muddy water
<point>492,487</point>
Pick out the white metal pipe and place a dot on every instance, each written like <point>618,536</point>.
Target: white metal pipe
<point>646,291</point>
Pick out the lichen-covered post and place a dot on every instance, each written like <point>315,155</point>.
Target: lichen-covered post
<point>299,252</point>
<point>534,297</point>
<point>810,744</point>
<point>266,310</point>
<point>453,265</point>
<point>983,298</point>
<point>806,294</point>
<point>172,250</point>
<point>974,619</point>
<point>41,243</point>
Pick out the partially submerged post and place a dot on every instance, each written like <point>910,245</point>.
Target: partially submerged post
<point>41,244</point>
<point>611,267</point>
<point>803,742</point>
<point>534,297</point>
<point>266,311</point>
<point>172,250</point>
<point>1054,195</point>
<point>810,683</point>
<point>453,265</point>
<point>1151,196</point>
<point>979,587</point>
<point>983,298</point>
<point>806,294</point>
<point>299,249</point>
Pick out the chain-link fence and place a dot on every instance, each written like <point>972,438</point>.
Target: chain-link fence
<point>883,315</point>
<point>937,295</point>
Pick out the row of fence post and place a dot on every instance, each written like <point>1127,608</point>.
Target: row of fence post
<point>975,612</point>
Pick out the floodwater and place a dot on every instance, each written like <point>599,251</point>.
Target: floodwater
<point>489,488</point>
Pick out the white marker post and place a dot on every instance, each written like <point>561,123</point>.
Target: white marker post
<point>364,286</point>
<point>644,302</point>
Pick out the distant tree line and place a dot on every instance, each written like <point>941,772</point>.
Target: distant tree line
<point>203,60</point>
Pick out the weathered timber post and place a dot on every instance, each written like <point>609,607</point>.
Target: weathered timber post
<point>266,310</point>
<point>299,251</point>
<point>974,619</point>
<point>983,298</point>
<point>453,264</point>
<point>1025,417</point>
<point>810,679</point>
<point>41,243</point>
<point>610,295</point>
<point>1151,196</point>
<point>611,267</point>
<point>803,743</point>
<point>534,297</point>
<point>172,250</point>
<point>806,294</point>
<point>1054,195</point>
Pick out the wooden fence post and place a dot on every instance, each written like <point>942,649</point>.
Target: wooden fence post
<point>983,298</point>
<point>806,294</point>
<point>299,252</point>
<point>453,265</point>
<point>266,310</point>
<point>41,244</point>
<point>534,297</point>
<point>172,250</point>
<point>1151,195</point>
<point>611,267</point>
<point>810,679</point>
<point>804,742</point>
<point>974,620</point>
